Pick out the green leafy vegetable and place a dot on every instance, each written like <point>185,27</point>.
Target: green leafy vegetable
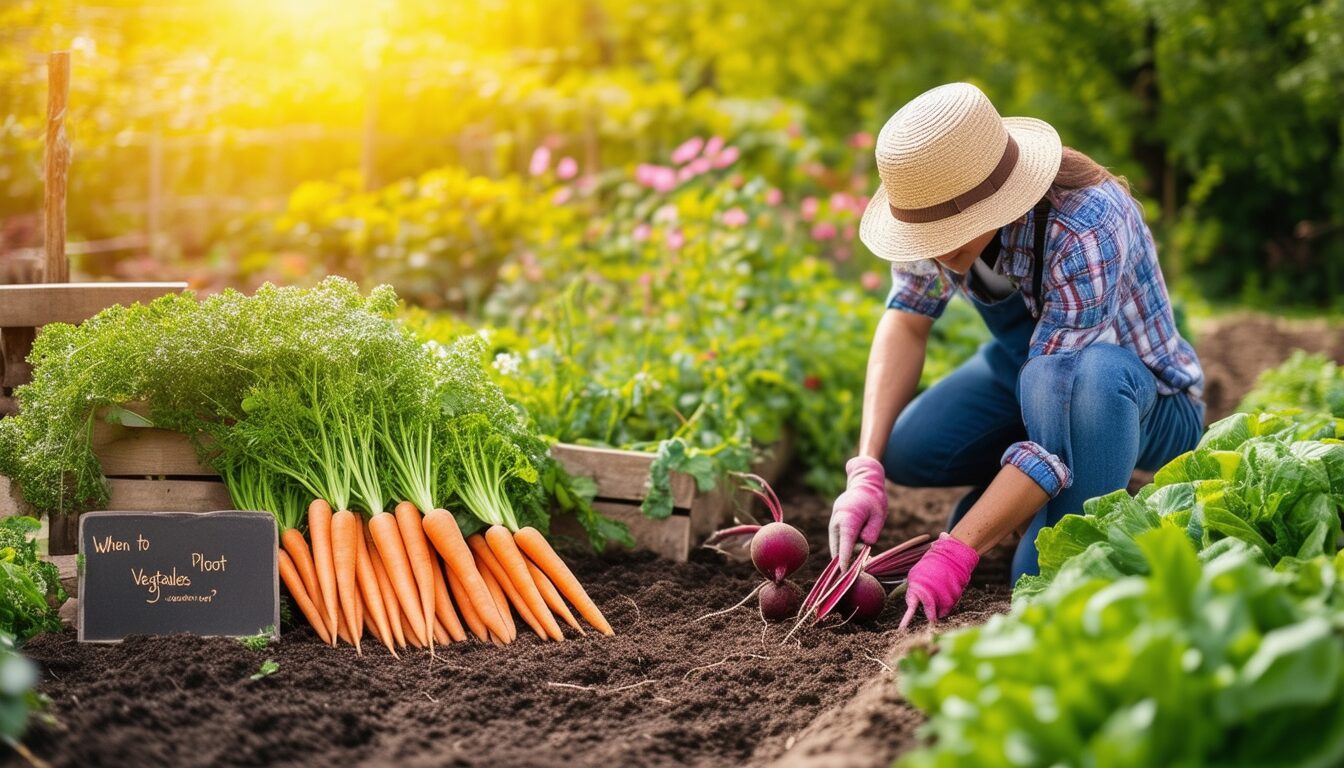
<point>1223,662</point>
<point>30,588</point>
<point>1279,495</point>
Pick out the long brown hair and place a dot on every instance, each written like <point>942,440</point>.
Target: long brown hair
<point>1077,170</point>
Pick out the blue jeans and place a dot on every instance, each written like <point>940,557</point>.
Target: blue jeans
<point>1097,409</point>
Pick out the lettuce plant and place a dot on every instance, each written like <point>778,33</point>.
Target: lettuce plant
<point>1225,662</point>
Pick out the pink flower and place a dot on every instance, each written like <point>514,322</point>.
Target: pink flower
<point>566,169</point>
<point>645,279</point>
<point>666,213</point>
<point>861,140</point>
<point>685,172</point>
<point>773,196</point>
<point>699,165</point>
<point>862,203</point>
<point>665,179</point>
<point>688,149</point>
<point>808,209</point>
<point>871,281</point>
<point>735,217</point>
<point>841,255</point>
<point>645,174</point>
<point>675,239</point>
<point>562,195</point>
<point>727,157</point>
<point>848,232</point>
<point>841,201</point>
<point>541,160</point>
<point>794,131</point>
<point>713,146</point>
<point>736,181</point>
<point>823,230</point>
<point>642,232</point>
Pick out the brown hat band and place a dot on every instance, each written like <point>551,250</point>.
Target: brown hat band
<point>966,199</point>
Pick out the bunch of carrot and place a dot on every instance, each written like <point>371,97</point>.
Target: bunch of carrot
<point>413,579</point>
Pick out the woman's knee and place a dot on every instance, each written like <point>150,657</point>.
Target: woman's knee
<point>1089,380</point>
<point>909,459</point>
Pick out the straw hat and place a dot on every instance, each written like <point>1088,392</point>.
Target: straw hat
<point>951,170</point>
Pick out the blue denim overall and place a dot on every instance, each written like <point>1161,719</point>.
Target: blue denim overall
<point>1097,409</point>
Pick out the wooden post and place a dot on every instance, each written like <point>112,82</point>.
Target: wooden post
<point>57,166</point>
<point>154,206</point>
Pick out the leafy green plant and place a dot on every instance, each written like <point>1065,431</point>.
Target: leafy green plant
<point>258,642</point>
<point>268,667</point>
<point>30,588</point>
<point>1311,382</point>
<point>1223,663</point>
<point>1281,496</point>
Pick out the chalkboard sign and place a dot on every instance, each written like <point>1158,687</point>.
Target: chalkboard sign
<point>209,573</point>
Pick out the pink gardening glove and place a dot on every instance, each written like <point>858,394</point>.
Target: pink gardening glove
<point>938,579</point>
<point>861,510</point>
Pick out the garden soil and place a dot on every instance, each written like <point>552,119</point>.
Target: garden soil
<point>673,687</point>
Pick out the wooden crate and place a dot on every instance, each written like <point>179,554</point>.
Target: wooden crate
<point>622,477</point>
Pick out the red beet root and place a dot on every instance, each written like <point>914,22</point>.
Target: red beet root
<point>865,600</point>
<point>777,550</point>
<point>780,601</point>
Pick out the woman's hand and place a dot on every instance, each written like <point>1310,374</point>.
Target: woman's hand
<point>938,579</point>
<point>861,510</point>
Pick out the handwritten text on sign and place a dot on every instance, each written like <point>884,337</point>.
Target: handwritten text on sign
<point>161,572</point>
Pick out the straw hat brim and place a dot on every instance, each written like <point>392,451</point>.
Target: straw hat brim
<point>1039,152</point>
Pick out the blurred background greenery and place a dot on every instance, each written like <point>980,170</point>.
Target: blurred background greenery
<point>193,122</point>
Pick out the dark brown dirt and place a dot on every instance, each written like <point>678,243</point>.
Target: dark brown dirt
<point>1235,349</point>
<point>667,690</point>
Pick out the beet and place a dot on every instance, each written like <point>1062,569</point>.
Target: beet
<point>777,550</point>
<point>780,601</point>
<point>865,600</point>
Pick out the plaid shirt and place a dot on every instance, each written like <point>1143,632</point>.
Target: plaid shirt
<point>1101,283</point>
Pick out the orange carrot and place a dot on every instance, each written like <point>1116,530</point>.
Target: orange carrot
<point>487,559</point>
<point>345,556</point>
<point>302,558</point>
<point>535,546</point>
<point>369,588</point>
<point>410,633</point>
<point>501,605</point>
<point>514,566</point>
<point>319,528</point>
<point>389,595</point>
<point>443,605</point>
<point>294,582</point>
<point>440,634</point>
<point>387,539</point>
<point>464,604</point>
<point>422,562</point>
<point>552,597</point>
<point>443,533</point>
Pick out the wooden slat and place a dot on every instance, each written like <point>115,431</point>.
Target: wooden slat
<point>622,475</point>
<point>42,303</point>
<point>669,538</point>
<point>167,495</point>
<point>138,451</point>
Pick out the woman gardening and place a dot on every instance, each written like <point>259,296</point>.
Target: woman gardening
<point>1085,377</point>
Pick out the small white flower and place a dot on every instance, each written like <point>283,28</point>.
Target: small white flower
<point>507,363</point>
